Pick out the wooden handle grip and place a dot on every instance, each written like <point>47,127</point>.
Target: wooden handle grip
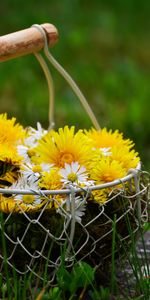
<point>26,41</point>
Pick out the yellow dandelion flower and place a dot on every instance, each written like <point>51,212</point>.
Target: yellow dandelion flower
<point>9,155</point>
<point>100,196</point>
<point>106,139</point>
<point>10,163</point>
<point>8,178</point>
<point>8,205</point>
<point>127,158</point>
<point>64,146</point>
<point>106,170</point>
<point>11,133</point>
<point>51,181</point>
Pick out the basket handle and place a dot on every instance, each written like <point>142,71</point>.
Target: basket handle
<point>26,41</point>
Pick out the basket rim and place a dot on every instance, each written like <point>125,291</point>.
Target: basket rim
<point>131,173</point>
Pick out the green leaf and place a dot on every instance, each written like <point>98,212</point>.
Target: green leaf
<point>82,275</point>
<point>54,294</point>
<point>63,278</point>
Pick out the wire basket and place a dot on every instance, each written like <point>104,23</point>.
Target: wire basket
<point>78,228</point>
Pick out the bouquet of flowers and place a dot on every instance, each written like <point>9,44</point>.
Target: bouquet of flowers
<point>65,185</point>
<point>38,159</point>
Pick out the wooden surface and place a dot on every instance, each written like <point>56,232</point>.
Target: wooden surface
<point>26,41</point>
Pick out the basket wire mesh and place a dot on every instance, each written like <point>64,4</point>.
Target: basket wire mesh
<point>75,235</point>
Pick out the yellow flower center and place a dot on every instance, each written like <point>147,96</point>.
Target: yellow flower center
<point>72,177</point>
<point>107,177</point>
<point>37,169</point>
<point>66,158</point>
<point>28,199</point>
<point>31,152</point>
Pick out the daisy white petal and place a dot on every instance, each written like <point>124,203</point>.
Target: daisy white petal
<point>75,166</point>
<point>46,167</point>
<point>23,151</point>
<point>63,173</point>
<point>68,168</point>
<point>82,170</point>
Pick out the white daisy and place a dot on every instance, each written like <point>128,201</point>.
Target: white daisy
<point>34,171</point>
<point>24,184</point>
<point>33,200</point>
<point>74,174</point>
<point>80,207</point>
<point>28,173</point>
<point>34,135</point>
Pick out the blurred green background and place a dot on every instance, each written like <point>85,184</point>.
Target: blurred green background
<point>104,45</point>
